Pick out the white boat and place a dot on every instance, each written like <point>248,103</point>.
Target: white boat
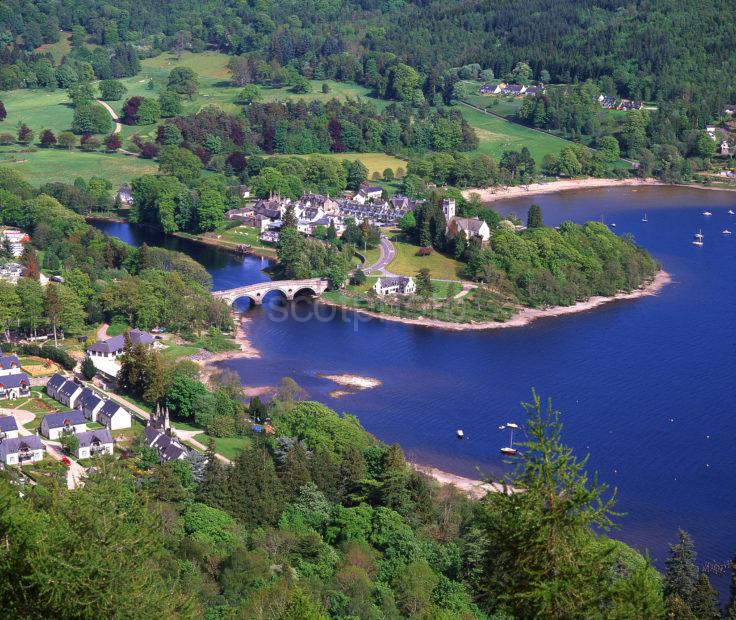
<point>509,450</point>
<point>613,225</point>
<point>726,231</point>
<point>644,219</point>
<point>707,213</point>
<point>730,211</point>
<point>698,238</point>
<point>459,433</point>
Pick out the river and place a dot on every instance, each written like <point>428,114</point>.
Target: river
<point>647,387</point>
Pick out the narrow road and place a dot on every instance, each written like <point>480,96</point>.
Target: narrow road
<point>118,125</point>
<point>102,331</point>
<point>388,253</point>
<point>189,436</point>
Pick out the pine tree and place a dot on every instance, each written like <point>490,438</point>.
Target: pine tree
<point>324,473</point>
<point>681,573</point>
<point>395,479</point>
<point>351,476</point>
<point>88,368</point>
<point>704,600</point>
<point>254,490</point>
<point>677,609</point>
<point>295,472</point>
<point>213,489</point>
<point>534,217</point>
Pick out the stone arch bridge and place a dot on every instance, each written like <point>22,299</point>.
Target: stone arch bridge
<point>289,288</point>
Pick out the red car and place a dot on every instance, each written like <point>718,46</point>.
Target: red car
<point>65,460</point>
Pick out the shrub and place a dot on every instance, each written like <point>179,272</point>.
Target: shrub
<point>222,426</point>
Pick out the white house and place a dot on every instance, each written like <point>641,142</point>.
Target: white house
<point>113,347</point>
<point>15,237</point>
<point>725,148</point>
<point>114,416</point>
<point>368,192</point>
<point>711,130</point>
<point>54,425</point>
<point>448,208</point>
<point>399,285</point>
<point>9,365</point>
<point>94,443</point>
<point>160,436</point>
<point>90,403</point>
<point>68,393</point>
<point>53,385</point>
<point>15,386</point>
<point>8,427</point>
<point>470,227</point>
<point>125,195</point>
<point>244,191</point>
<point>20,450</point>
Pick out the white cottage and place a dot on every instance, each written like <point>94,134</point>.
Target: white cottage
<point>399,285</point>
<point>8,427</point>
<point>15,386</point>
<point>20,450</point>
<point>9,365</point>
<point>54,425</point>
<point>94,443</point>
<point>114,416</point>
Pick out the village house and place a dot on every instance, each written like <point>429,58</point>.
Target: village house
<point>9,365</point>
<point>54,425</point>
<point>114,416</point>
<point>725,148</point>
<point>8,427</point>
<point>94,443</point>
<point>711,131</point>
<point>398,285</point>
<point>125,195</point>
<point>244,191</point>
<point>90,403</point>
<point>64,390</point>
<point>159,435</point>
<point>487,89</point>
<point>11,272</point>
<point>367,193</point>
<point>269,236</point>
<point>20,450</point>
<point>114,347</point>
<point>627,105</point>
<point>607,102</point>
<point>14,386</point>
<point>16,238</point>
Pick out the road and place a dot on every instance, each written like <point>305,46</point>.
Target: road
<point>118,125</point>
<point>388,253</point>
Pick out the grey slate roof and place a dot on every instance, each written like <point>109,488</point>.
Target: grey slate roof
<point>9,361</point>
<point>396,281</point>
<point>56,381</point>
<point>56,420</point>
<point>14,381</point>
<point>69,388</point>
<point>15,445</point>
<point>88,438</point>
<point>116,343</point>
<point>89,399</point>
<point>8,423</point>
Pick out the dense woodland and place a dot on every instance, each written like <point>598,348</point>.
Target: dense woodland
<point>103,278</point>
<point>322,521</point>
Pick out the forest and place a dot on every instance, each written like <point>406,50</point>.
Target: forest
<point>319,521</point>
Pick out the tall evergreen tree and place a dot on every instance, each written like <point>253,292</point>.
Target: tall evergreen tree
<point>254,490</point>
<point>731,609</point>
<point>213,490</point>
<point>704,599</point>
<point>324,473</point>
<point>295,471</point>
<point>351,476</point>
<point>395,481</point>
<point>681,572</point>
<point>534,217</point>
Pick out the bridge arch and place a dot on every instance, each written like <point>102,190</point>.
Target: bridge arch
<point>306,291</point>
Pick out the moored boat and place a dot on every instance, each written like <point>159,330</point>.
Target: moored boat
<point>509,450</point>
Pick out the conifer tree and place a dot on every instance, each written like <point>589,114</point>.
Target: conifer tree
<point>351,476</point>
<point>295,472</point>
<point>324,473</point>
<point>681,573</point>
<point>213,490</point>
<point>395,478</point>
<point>254,490</point>
<point>704,599</point>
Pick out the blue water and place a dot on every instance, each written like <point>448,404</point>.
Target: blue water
<point>646,386</point>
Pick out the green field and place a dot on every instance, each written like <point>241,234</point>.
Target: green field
<point>46,165</point>
<point>375,162</point>
<point>407,263</point>
<point>39,109</point>
<point>59,49</point>
<point>497,135</point>
<point>229,447</point>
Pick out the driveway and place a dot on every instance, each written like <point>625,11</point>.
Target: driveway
<point>118,126</point>
<point>387,254</point>
<point>74,473</point>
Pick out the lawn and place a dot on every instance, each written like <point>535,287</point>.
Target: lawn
<point>497,135</point>
<point>39,109</point>
<point>229,447</point>
<point>59,49</point>
<point>375,162</point>
<point>47,165</point>
<point>407,263</point>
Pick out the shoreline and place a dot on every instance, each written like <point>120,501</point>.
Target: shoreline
<point>526,315</point>
<point>474,487</point>
<point>493,194</point>
<point>246,350</point>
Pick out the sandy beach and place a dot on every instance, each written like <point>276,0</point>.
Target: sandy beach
<point>354,382</point>
<point>246,350</point>
<point>525,315</point>
<point>492,194</point>
<point>475,488</point>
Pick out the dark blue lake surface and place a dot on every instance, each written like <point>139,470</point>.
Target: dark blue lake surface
<point>647,386</point>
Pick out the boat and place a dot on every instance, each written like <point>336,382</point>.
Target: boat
<point>726,231</point>
<point>644,219</point>
<point>509,450</point>
<point>698,238</point>
<point>459,433</point>
<point>707,213</point>
<point>613,225</point>
<point>730,211</point>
